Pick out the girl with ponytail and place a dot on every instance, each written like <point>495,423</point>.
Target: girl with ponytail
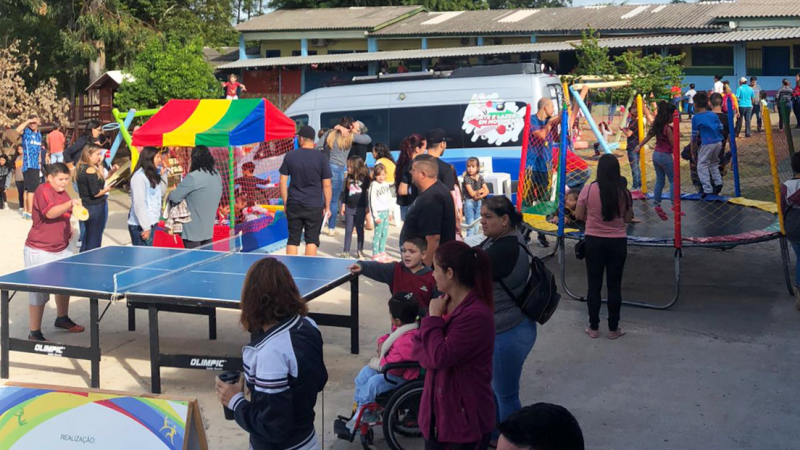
<point>455,345</point>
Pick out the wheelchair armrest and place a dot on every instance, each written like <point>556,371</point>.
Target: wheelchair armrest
<point>398,365</point>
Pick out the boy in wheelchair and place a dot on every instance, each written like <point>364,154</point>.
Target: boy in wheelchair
<point>392,348</point>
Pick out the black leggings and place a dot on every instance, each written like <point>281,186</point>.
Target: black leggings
<point>483,444</point>
<point>605,254</point>
<point>21,193</point>
<point>195,244</point>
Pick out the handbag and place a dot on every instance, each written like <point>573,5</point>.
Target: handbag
<point>580,249</point>
<point>540,297</point>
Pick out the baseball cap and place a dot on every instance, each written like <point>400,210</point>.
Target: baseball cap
<point>743,80</point>
<point>436,136</point>
<point>307,132</point>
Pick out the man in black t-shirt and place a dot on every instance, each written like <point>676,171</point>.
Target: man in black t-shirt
<point>437,143</point>
<point>432,215</point>
<point>307,198</point>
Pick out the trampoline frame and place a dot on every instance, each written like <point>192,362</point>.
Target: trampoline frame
<point>677,241</point>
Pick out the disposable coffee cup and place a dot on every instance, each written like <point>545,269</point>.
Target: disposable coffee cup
<point>230,377</point>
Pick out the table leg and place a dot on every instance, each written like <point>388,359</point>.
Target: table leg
<point>94,330</point>
<point>131,318</point>
<point>354,316</point>
<point>155,352</point>
<point>212,324</point>
<point>4,321</point>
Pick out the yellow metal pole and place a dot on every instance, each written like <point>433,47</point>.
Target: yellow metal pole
<point>773,162</point>
<point>565,88</point>
<point>642,149</point>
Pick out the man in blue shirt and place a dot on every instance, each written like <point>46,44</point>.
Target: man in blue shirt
<point>31,159</point>
<point>745,95</point>
<point>540,153</point>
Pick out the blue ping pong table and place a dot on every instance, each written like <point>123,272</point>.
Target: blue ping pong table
<point>160,279</point>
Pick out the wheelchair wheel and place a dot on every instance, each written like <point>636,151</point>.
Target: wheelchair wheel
<point>400,427</point>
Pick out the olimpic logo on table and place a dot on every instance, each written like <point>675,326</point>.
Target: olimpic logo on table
<point>489,118</point>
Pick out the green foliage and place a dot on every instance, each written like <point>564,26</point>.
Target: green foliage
<point>168,69</point>
<point>652,74</point>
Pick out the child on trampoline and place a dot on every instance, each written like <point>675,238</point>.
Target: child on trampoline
<point>409,275</point>
<point>662,155</point>
<point>707,128</point>
<point>48,241</point>
<point>392,348</point>
<point>790,206</point>
<point>632,133</point>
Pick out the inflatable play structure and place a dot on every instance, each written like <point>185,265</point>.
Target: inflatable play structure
<point>248,139</point>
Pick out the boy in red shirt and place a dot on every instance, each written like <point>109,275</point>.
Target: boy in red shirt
<point>48,241</point>
<point>410,276</point>
<point>231,87</point>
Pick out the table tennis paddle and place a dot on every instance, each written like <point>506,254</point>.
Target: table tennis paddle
<point>80,213</point>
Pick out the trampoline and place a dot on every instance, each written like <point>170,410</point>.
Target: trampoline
<point>745,213</point>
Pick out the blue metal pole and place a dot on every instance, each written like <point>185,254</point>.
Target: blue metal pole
<point>588,115</point>
<point>734,158</point>
<point>562,167</point>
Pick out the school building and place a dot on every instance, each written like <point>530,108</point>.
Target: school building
<point>285,53</point>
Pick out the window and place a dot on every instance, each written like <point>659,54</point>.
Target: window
<point>272,54</point>
<point>300,121</point>
<point>376,120</point>
<point>340,52</point>
<point>712,56</point>
<point>556,95</point>
<point>310,52</point>
<point>796,57</point>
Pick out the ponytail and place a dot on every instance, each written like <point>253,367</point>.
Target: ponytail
<point>471,268</point>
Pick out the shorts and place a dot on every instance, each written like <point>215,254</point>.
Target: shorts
<point>303,218</point>
<point>31,180</point>
<point>34,257</point>
<point>231,97</point>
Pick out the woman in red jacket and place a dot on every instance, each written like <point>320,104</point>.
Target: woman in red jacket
<point>455,345</point>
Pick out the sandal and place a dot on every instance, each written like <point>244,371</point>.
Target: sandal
<point>65,323</point>
<point>594,334</point>
<point>660,212</point>
<point>618,333</point>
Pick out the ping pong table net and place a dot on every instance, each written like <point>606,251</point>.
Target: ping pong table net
<point>177,262</point>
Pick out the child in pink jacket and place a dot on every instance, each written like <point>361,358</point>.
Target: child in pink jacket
<point>392,348</point>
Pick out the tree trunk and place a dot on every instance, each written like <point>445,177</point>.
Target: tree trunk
<point>98,67</point>
<point>239,11</point>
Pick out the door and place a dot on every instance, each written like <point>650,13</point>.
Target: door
<point>776,61</point>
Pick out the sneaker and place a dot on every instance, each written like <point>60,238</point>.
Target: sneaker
<point>717,190</point>
<point>362,256</point>
<point>331,232</point>
<point>65,323</point>
<point>20,209</point>
<point>797,297</point>
<point>542,240</point>
<point>36,336</point>
<point>660,212</point>
<point>343,255</point>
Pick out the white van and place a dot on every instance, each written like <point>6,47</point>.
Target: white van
<point>482,108</point>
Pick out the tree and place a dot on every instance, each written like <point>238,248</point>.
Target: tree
<point>17,101</point>
<point>168,68</point>
<point>593,59</point>
<point>433,5</point>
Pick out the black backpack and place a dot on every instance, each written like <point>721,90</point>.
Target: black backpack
<point>540,298</point>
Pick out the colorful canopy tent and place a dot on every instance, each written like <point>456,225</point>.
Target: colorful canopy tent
<point>214,123</point>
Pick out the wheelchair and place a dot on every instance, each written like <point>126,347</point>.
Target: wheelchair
<point>396,411</point>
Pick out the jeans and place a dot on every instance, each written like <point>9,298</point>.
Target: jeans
<point>577,178</point>
<point>757,115</point>
<point>796,248</point>
<point>56,158</point>
<point>403,213</point>
<point>796,108</point>
<point>195,244</point>
<point>370,383</point>
<point>354,217</point>
<point>381,233</point>
<point>745,113</point>
<point>337,180</point>
<point>663,164</point>
<point>472,212</point>
<point>95,226</point>
<point>636,170</point>
<point>136,236</point>
<point>690,110</point>
<point>605,255</point>
<point>511,348</point>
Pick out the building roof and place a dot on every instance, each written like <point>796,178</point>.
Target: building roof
<point>353,18</point>
<point>222,55</point>
<point>744,9</point>
<point>621,42</point>
<point>114,76</point>
<point>685,16</point>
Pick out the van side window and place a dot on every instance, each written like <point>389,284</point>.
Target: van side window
<point>300,121</point>
<point>376,120</point>
<point>556,95</point>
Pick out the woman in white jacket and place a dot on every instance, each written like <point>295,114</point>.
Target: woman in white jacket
<point>147,193</point>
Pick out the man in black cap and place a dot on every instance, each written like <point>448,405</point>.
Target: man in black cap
<point>307,198</point>
<point>437,143</point>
